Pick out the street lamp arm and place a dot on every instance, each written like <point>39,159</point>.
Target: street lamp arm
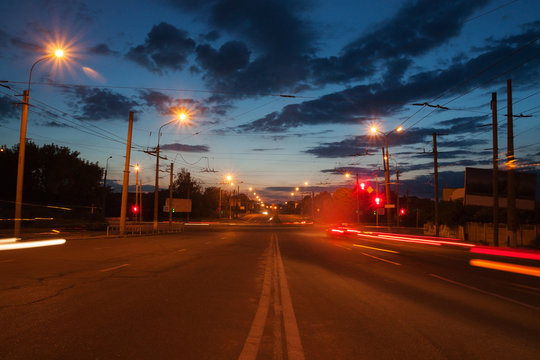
<point>32,68</point>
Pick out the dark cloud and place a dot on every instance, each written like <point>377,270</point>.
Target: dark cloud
<point>101,49</point>
<point>270,149</point>
<point>185,148</point>
<point>463,124</point>
<point>211,36</point>
<point>8,108</point>
<point>274,30</point>
<point>231,56</point>
<point>165,48</point>
<point>351,105</point>
<point>419,26</point>
<point>168,105</point>
<point>26,46</point>
<point>102,104</point>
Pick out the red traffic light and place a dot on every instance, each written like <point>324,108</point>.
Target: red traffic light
<point>135,209</point>
<point>362,185</point>
<point>378,200</point>
<point>402,211</point>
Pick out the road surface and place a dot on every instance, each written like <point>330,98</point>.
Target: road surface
<point>263,292</point>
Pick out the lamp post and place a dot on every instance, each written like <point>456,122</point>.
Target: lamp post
<point>22,145</point>
<point>387,168</point>
<point>105,184</point>
<point>181,117</point>
<point>137,168</point>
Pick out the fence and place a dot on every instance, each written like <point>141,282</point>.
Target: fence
<point>482,233</point>
<point>145,228</point>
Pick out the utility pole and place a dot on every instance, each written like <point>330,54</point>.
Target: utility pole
<point>435,167</point>
<point>386,184</point>
<point>20,167</point>
<point>171,197</point>
<point>313,206</point>
<point>376,195</point>
<point>510,160</point>
<point>495,170</point>
<point>357,200</point>
<point>219,205</point>
<point>126,177</point>
<point>397,197</point>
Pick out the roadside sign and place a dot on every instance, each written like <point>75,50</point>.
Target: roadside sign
<point>370,189</point>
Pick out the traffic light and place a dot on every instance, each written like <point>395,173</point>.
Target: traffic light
<point>135,209</point>
<point>377,201</point>
<point>363,185</point>
<point>402,211</point>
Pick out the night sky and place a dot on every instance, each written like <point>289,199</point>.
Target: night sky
<point>343,67</point>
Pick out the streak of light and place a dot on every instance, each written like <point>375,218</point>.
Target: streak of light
<point>374,248</point>
<point>8,240</point>
<point>522,254</point>
<point>495,265</point>
<point>416,239</point>
<point>378,258</point>
<point>393,238</point>
<point>31,244</point>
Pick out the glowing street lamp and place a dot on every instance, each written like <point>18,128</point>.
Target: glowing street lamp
<point>22,145</point>
<point>182,117</point>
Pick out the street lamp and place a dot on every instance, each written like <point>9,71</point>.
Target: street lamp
<point>137,168</point>
<point>181,117</point>
<point>105,183</point>
<point>22,145</point>
<point>387,166</point>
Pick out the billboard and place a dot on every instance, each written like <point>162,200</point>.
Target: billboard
<point>479,188</point>
<point>178,205</point>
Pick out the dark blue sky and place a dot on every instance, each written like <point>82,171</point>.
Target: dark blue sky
<point>349,65</point>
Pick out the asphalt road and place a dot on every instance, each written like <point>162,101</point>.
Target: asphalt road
<point>262,292</point>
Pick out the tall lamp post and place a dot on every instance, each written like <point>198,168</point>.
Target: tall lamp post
<point>387,168</point>
<point>22,145</point>
<point>105,184</point>
<point>181,117</point>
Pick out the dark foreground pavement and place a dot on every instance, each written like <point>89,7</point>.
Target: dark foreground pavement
<point>262,292</point>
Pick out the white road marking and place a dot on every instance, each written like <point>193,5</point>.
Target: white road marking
<point>251,346</point>
<point>381,259</point>
<point>114,268</point>
<point>485,292</point>
<point>295,350</point>
<point>181,250</point>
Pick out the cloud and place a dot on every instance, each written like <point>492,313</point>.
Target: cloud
<point>101,49</point>
<point>269,149</point>
<point>165,48</point>
<point>8,108</point>
<point>55,124</point>
<point>101,104</point>
<point>352,105</point>
<point>168,105</point>
<point>231,56</point>
<point>419,26</point>
<point>185,148</point>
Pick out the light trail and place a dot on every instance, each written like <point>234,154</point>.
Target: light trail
<point>31,244</point>
<point>374,248</point>
<point>495,265</point>
<point>522,254</point>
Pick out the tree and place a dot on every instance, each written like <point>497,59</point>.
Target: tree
<point>185,187</point>
<point>53,175</point>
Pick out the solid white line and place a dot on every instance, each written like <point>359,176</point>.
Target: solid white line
<point>114,268</point>
<point>251,346</point>
<point>378,258</point>
<point>295,350</point>
<point>485,292</point>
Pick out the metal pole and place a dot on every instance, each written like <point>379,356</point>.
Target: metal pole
<point>495,170</point>
<point>219,206</point>
<point>357,200</point>
<point>20,165</point>
<point>171,197</point>
<point>435,168</point>
<point>376,195</point>
<point>387,184</point>
<point>126,178</point>
<point>397,197</point>
<point>511,164</point>
<point>137,191</point>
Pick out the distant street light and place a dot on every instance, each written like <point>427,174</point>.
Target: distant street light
<point>181,117</point>
<point>22,145</point>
